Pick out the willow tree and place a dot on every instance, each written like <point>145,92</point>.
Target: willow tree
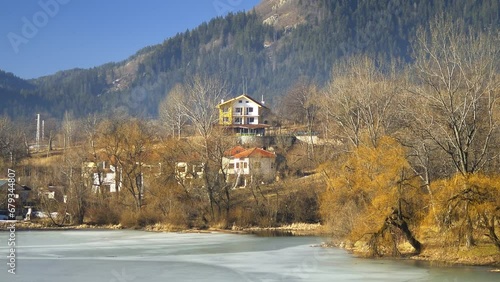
<point>480,194</point>
<point>372,197</point>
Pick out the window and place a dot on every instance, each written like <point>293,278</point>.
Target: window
<point>225,119</point>
<point>198,168</point>
<point>237,120</point>
<point>241,165</point>
<point>240,101</point>
<point>251,120</point>
<point>181,169</point>
<point>226,109</point>
<point>246,102</point>
<point>250,110</point>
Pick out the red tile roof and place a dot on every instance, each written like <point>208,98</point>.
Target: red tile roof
<point>255,153</point>
<point>234,151</point>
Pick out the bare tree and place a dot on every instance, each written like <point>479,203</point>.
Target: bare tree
<point>11,142</point>
<point>456,71</point>
<point>6,140</point>
<point>456,86</point>
<point>172,112</point>
<point>78,192</point>
<point>359,100</point>
<point>301,104</point>
<point>127,146</point>
<point>68,129</point>
<point>203,94</point>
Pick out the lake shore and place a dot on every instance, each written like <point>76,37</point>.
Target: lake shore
<point>483,255</point>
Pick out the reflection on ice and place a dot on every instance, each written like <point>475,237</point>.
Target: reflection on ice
<point>127,256</point>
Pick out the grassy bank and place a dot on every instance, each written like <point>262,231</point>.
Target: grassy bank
<point>483,254</point>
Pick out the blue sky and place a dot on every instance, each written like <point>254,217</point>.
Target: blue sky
<point>41,37</point>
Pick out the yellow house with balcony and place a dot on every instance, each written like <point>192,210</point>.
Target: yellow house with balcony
<point>244,115</point>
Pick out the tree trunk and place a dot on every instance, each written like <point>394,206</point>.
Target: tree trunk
<point>373,243</point>
<point>228,204</point>
<point>395,250</point>
<point>491,231</point>
<point>403,226</point>
<point>469,237</point>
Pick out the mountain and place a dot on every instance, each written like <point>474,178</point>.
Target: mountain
<point>15,94</point>
<point>266,49</point>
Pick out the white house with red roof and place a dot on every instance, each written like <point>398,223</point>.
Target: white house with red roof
<point>251,164</point>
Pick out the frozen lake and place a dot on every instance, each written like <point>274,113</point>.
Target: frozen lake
<point>128,256</point>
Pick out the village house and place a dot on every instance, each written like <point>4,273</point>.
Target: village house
<point>245,165</point>
<point>189,169</point>
<point>244,115</point>
<point>103,176</point>
<point>22,195</point>
<point>54,192</point>
<point>106,177</point>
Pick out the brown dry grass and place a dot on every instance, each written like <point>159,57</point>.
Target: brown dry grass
<point>483,254</point>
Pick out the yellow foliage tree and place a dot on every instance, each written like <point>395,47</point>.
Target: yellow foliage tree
<point>370,194</point>
<point>467,205</point>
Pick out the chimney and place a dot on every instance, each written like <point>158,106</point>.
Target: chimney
<point>262,100</point>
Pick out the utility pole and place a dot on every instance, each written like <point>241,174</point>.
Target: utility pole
<point>43,130</point>
<point>37,132</point>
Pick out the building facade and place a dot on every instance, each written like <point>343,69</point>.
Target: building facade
<point>244,115</point>
<point>245,165</point>
<point>104,176</point>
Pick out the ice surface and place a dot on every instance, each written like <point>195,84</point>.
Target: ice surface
<point>128,256</point>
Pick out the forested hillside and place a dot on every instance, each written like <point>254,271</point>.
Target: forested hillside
<point>265,53</point>
<point>15,94</point>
